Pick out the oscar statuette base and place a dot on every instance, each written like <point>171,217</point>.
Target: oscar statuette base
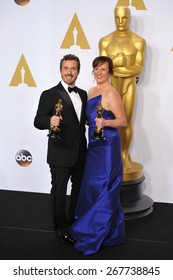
<point>135,204</point>
<point>98,135</point>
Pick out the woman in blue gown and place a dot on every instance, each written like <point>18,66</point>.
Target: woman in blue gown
<point>99,215</point>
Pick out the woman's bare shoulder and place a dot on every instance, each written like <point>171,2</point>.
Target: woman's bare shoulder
<point>91,92</point>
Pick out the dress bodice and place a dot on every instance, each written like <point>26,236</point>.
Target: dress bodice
<point>92,114</point>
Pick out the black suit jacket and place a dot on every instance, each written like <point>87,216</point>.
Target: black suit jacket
<point>64,151</point>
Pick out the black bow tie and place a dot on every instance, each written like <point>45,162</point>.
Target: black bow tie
<point>75,89</point>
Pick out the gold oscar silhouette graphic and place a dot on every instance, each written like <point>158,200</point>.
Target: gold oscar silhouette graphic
<point>138,4</point>
<point>22,76</point>
<point>75,38</point>
<point>55,130</point>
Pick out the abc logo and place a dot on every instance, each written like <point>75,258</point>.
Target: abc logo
<point>23,158</point>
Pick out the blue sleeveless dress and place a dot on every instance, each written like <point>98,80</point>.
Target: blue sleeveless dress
<point>99,215</point>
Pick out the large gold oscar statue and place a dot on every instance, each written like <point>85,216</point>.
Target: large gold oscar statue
<point>127,51</point>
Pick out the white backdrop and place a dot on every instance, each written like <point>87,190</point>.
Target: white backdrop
<point>36,36</point>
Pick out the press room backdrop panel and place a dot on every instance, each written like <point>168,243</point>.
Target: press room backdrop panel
<point>34,37</point>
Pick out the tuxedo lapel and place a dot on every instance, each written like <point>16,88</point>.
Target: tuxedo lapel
<point>64,94</point>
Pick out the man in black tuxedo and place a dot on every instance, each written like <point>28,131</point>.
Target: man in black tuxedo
<point>66,155</point>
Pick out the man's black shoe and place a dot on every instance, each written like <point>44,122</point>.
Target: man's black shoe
<point>67,239</point>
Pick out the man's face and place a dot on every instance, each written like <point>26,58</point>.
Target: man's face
<point>69,71</point>
<point>122,18</point>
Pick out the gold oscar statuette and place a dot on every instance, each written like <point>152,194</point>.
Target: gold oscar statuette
<point>98,132</point>
<point>55,130</point>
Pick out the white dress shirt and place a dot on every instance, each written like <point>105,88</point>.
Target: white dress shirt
<point>76,100</point>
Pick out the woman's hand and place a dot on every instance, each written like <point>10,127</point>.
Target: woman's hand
<point>100,123</point>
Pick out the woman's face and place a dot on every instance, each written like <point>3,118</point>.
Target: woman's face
<point>101,72</point>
